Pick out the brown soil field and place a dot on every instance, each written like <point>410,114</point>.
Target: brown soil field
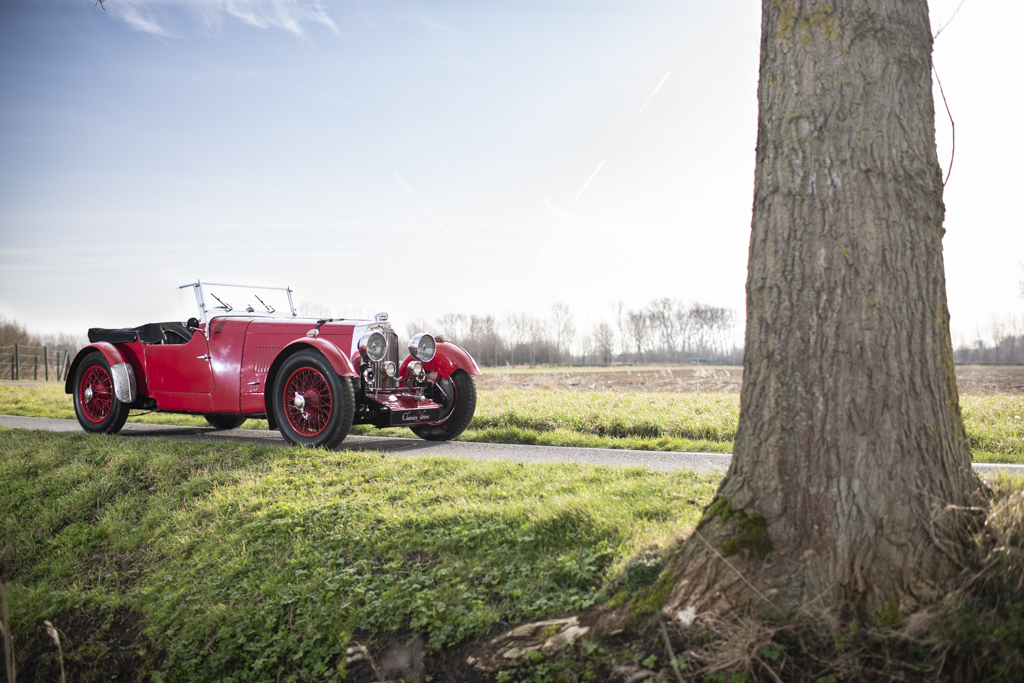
<point>971,379</point>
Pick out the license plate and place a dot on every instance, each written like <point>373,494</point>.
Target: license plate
<point>414,417</point>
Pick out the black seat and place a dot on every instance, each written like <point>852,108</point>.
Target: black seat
<point>150,333</point>
<point>115,336</point>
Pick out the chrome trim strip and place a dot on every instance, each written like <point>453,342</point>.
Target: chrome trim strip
<point>124,382</point>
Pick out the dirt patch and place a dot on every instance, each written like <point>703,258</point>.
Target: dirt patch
<point>97,645</point>
<point>971,379</point>
<point>990,379</point>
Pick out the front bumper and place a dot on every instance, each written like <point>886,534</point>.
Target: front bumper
<point>396,408</point>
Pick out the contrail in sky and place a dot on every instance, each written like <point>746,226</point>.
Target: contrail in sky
<point>554,233</point>
<point>665,78</point>
<point>587,184</point>
<point>457,243</point>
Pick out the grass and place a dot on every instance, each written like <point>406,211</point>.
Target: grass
<point>225,562</point>
<point>598,419</point>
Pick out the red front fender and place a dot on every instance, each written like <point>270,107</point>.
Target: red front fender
<point>334,356</point>
<point>447,359</point>
<point>332,353</point>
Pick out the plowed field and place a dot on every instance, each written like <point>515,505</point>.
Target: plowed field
<point>971,379</point>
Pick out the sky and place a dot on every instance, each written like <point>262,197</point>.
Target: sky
<point>430,158</point>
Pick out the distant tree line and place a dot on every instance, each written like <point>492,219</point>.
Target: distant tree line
<point>1002,343</point>
<point>664,331</point>
<point>22,352</point>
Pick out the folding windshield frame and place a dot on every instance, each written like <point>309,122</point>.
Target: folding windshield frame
<point>200,293</point>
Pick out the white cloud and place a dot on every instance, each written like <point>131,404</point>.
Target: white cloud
<point>423,20</point>
<point>133,18</point>
<point>290,15</point>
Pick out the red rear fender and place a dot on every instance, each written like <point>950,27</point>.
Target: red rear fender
<point>121,370</point>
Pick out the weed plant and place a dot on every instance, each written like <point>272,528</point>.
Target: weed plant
<point>229,562</point>
<point>694,422</point>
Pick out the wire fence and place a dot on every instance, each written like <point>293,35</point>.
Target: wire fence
<point>28,362</point>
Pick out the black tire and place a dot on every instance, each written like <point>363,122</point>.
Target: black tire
<point>458,403</point>
<point>96,406</point>
<point>316,425</point>
<point>226,421</point>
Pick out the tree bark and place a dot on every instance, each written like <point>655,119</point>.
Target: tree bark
<point>851,480</point>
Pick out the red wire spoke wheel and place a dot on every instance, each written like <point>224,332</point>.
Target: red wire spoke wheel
<point>97,406</point>
<point>312,405</point>
<point>307,402</point>
<point>96,393</point>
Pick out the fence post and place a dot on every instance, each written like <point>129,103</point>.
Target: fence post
<point>12,366</point>
<point>17,363</point>
<point>67,364</point>
<point>46,364</point>
<point>35,367</point>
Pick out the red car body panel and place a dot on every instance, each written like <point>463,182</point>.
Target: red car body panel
<point>447,359</point>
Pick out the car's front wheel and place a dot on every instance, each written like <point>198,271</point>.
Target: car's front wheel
<point>225,421</point>
<point>313,406</point>
<point>457,398</point>
<point>96,406</point>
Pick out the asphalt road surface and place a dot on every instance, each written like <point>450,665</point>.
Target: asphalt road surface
<point>655,460</point>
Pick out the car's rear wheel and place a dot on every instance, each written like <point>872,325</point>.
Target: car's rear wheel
<point>96,405</point>
<point>457,398</point>
<point>313,406</point>
<point>225,421</point>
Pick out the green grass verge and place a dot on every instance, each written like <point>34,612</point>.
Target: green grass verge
<point>237,562</point>
<point>599,419</point>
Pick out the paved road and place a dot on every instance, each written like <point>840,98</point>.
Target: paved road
<point>654,460</point>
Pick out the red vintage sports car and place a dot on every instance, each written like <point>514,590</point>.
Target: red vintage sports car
<point>247,355</point>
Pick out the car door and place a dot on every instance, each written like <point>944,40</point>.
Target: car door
<point>180,368</point>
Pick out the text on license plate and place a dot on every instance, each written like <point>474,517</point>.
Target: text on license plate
<point>414,417</point>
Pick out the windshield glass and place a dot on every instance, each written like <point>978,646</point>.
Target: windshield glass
<point>206,300</point>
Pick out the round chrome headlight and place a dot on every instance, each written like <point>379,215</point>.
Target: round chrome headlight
<point>422,347</point>
<point>415,370</point>
<point>373,346</point>
<point>390,369</point>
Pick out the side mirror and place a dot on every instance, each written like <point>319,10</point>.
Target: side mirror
<point>192,324</point>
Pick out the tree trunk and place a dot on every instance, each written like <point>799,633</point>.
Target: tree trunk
<point>851,468</point>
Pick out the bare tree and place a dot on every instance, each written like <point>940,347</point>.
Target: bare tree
<point>518,326</point>
<point>604,341</point>
<point>564,330</point>
<point>454,326</point>
<point>851,479</point>
<point>639,331</point>
<point>313,309</point>
<point>484,340</point>
<point>538,331</point>
<point>620,322</point>
<point>662,314</point>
